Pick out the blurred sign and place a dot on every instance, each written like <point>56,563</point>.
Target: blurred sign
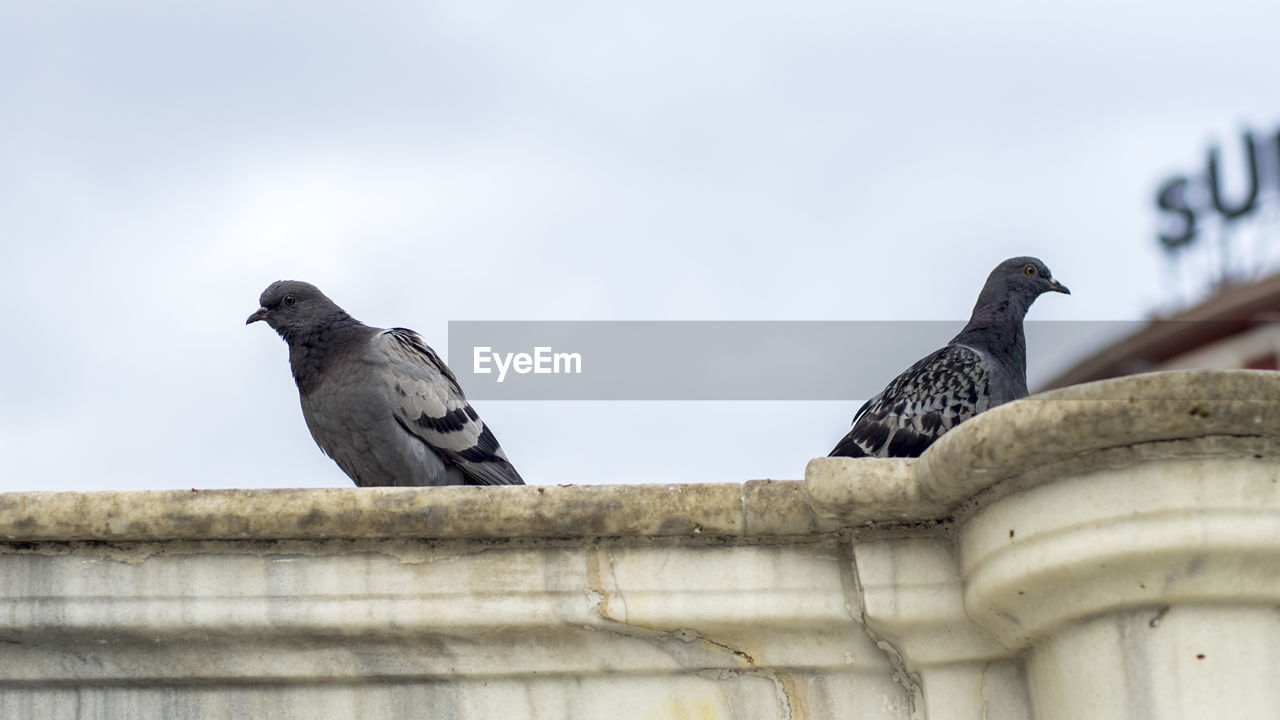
<point>1186,200</point>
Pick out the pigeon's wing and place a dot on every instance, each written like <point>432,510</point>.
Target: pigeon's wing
<point>430,406</point>
<point>937,393</point>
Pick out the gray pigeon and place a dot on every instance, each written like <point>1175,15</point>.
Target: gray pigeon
<point>380,402</point>
<point>982,367</point>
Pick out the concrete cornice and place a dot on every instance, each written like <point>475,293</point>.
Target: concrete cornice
<point>755,509</point>
<point>1122,420</point>
<point>1073,425</point>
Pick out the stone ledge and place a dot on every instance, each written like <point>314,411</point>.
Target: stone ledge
<point>760,508</point>
<point>1031,440</point>
<point>1082,426</point>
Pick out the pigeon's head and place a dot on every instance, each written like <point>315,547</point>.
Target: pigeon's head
<point>996,323</point>
<point>293,307</point>
<point>1026,277</point>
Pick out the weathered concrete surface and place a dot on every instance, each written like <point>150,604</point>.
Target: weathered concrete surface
<point>754,509</point>
<point>863,491</point>
<point>729,601</point>
<point>457,629</point>
<point>1105,551</point>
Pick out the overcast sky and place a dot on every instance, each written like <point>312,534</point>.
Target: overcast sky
<point>161,163</point>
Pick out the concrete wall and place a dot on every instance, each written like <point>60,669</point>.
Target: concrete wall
<point>1104,551</point>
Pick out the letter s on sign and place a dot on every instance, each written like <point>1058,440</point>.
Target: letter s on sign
<point>1172,198</point>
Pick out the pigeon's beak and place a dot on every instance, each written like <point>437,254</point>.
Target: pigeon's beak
<point>1058,287</point>
<point>259,314</point>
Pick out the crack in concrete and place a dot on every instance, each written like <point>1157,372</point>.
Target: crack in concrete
<point>596,560</point>
<point>783,694</point>
<point>900,674</point>
<point>613,575</point>
<point>728,648</point>
<point>790,702</point>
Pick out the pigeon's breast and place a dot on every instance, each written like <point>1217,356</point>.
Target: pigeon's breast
<point>1005,383</point>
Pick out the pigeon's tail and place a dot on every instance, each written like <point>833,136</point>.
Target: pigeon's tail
<point>494,471</point>
<point>848,447</point>
<point>877,438</point>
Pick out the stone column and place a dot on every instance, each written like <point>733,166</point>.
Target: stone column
<point>1130,544</point>
<point>1118,543</point>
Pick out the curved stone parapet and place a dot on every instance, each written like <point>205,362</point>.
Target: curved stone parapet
<point>1045,436</point>
<point>1064,432</point>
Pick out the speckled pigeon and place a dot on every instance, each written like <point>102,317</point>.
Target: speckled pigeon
<point>380,402</point>
<point>982,367</point>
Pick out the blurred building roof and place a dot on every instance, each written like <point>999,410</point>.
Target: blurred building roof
<point>1238,327</point>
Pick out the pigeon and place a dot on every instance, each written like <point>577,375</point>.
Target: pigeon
<point>380,402</point>
<point>982,367</point>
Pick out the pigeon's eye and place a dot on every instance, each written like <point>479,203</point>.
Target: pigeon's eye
<point>289,300</point>
<point>1030,271</point>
